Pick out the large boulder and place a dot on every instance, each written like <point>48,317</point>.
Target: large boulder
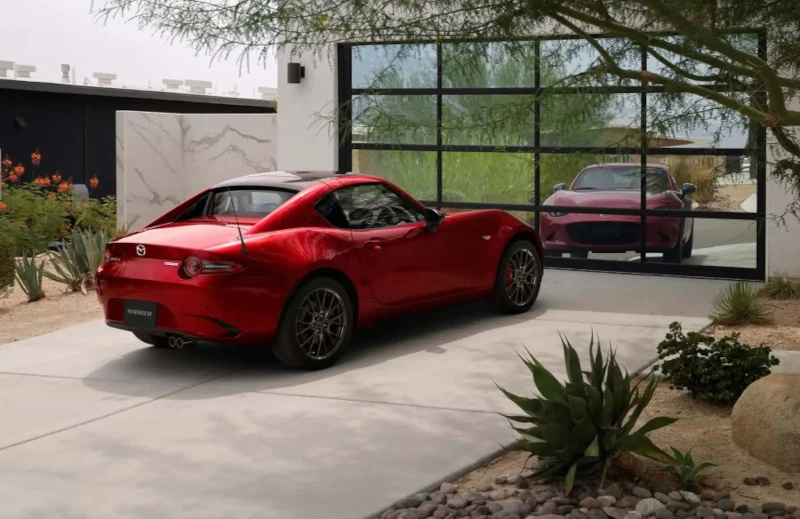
<point>766,420</point>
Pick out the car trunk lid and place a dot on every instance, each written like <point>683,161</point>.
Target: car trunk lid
<point>173,241</point>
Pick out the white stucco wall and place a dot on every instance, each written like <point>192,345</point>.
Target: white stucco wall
<point>307,140</point>
<point>783,241</point>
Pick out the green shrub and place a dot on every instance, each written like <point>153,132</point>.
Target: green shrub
<point>97,215</point>
<point>781,286</point>
<point>712,370</point>
<point>683,468</point>
<point>33,219</point>
<point>740,303</point>
<point>29,276</point>
<point>6,266</point>
<point>576,429</point>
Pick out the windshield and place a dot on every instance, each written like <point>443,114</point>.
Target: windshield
<point>247,202</point>
<point>616,178</point>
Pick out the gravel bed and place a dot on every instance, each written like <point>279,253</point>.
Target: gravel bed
<point>515,497</point>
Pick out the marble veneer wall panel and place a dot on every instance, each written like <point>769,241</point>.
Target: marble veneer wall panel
<point>164,158</point>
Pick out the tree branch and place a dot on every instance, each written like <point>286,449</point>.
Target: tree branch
<point>641,75</point>
<point>777,102</point>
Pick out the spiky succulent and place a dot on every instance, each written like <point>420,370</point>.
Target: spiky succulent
<point>575,429</point>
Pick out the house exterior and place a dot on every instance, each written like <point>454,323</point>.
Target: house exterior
<point>736,232</point>
<point>73,126</point>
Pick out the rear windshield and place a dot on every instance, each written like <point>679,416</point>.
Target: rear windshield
<point>246,202</point>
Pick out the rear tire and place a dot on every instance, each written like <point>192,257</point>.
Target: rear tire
<point>318,317</point>
<point>518,279</point>
<point>157,341</point>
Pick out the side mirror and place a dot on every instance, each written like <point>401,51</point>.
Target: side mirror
<point>688,189</point>
<point>559,187</point>
<point>433,219</point>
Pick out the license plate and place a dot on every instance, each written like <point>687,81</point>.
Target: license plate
<point>141,314</point>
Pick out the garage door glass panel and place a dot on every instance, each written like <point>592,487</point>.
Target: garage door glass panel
<point>488,65</point>
<point>704,241</point>
<point>506,178</point>
<point>595,182</point>
<point>703,73</point>
<point>567,63</point>
<point>590,236</point>
<point>394,119</point>
<point>394,66</point>
<point>413,171</point>
<point>716,182</point>
<point>500,120</point>
<point>597,120</point>
<point>703,123</point>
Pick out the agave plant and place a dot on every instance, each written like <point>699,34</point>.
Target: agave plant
<point>65,268</point>
<point>76,261</point>
<point>576,429</point>
<point>29,276</point>
<point>683,468</point>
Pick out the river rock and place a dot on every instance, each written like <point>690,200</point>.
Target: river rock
<point>648,506</point>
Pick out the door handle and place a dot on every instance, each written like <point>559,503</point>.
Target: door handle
<point>375,244</point>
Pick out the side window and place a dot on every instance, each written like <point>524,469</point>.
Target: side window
<point>373,206</point>
<point>329,208</point>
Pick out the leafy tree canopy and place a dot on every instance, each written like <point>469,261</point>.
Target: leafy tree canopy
<point>699,48</point>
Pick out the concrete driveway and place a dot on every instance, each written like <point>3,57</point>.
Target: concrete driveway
<point>96,425</point>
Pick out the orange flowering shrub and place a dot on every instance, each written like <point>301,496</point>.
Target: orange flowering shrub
<point>35,212</point>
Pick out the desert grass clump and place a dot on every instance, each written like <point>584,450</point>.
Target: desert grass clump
<point>781,286</point>
<point>740,303</point>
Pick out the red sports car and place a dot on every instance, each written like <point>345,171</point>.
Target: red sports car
<point>618,186</point>
<point>301,259</point>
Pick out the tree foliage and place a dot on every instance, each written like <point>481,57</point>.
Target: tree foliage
<point>696,48</point>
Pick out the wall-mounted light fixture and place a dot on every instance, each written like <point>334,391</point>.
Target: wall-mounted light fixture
<point>295,72</point>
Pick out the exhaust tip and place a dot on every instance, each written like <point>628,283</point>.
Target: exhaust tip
<point>171,342</point>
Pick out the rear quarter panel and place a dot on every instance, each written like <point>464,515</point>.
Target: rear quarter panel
<point>484,254</point>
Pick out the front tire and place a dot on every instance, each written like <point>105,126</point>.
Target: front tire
<point>675,254</point>
<point>157,341</point>
<point>518,279</point>
<point>316,326</point>
<point>689,245</point>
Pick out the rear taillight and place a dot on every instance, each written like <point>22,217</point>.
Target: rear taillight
<point>194,265</point>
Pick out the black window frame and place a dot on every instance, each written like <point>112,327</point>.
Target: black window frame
<point>346,147</point>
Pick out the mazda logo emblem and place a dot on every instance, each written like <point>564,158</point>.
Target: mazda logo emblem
<point>140,250</point>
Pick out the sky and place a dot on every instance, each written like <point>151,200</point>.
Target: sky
<point>47,33</point>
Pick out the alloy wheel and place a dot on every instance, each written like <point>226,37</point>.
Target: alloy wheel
<point>321,323</point>
<point>521,277</point>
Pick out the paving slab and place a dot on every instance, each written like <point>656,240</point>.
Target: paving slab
<point>97,424</point>
<point>220,455</point>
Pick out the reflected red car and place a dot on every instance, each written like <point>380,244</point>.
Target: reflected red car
<point>618,186</point>
<point>298,260</point>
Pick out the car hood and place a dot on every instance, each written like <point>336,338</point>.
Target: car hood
<point>596,198</point>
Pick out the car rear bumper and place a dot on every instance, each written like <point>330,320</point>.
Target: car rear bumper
<point>590,232</point>
<point>228,314</point>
